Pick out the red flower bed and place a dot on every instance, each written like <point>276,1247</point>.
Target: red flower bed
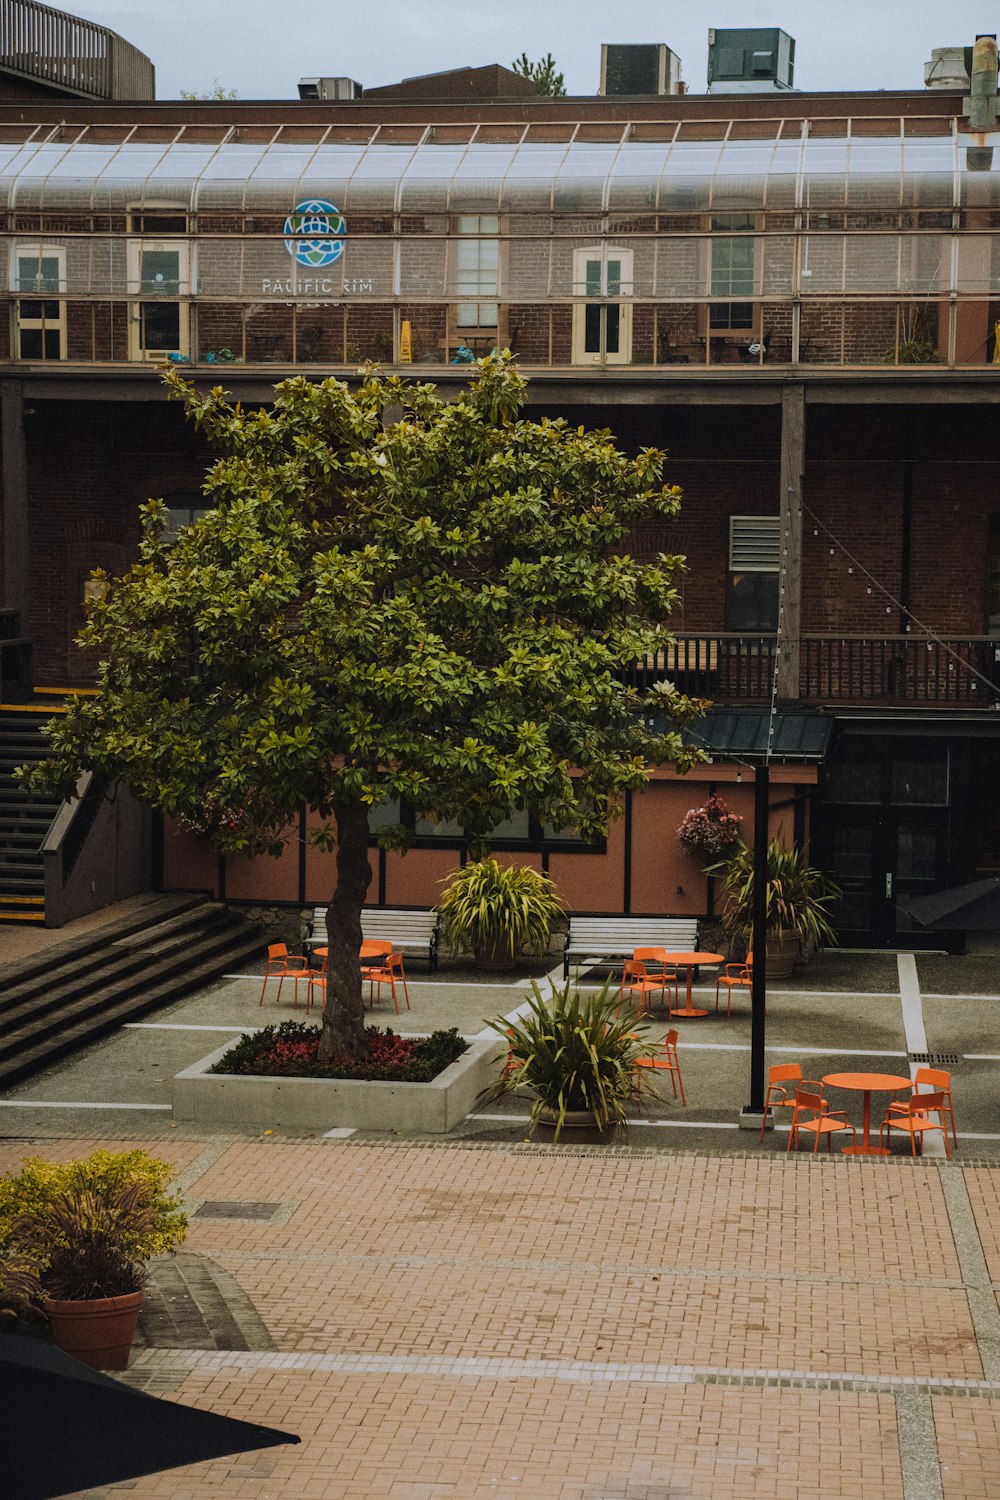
<point>292,1051</point>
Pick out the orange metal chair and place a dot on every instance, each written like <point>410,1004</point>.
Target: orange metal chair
<point>734,977</point>
<point>812,1112</point>
<point>282,965</point>
<point>664,1060</point>
<point>389,971</point>
<point>912,1117</point>
<point>637,980</point>
<point>777,1096</point>
<point>938,1080</point>
<point>657,967</point>
<point>373,952</point>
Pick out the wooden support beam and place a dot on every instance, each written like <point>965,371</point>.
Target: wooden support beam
<point>15,500</point>
<point>793,462</point>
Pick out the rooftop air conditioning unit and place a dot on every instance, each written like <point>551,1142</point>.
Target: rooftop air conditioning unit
<point>629,69</point>
<point>329,88</point>
<point>750,62</point>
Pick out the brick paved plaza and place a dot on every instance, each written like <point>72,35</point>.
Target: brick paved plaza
<point>466,1321</point>
<point>687,1314</point>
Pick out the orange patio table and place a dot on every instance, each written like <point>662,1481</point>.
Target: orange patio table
<point>370,948</point>
<point>868,1084</point>
<point>690,962</point>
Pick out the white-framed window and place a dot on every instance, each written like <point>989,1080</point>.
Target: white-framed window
<point>159,275</point>
<point>754,564</point>
<point>732,273</point>
<point>38,275</point>
<point>477,270</point>
<point>602,328</point>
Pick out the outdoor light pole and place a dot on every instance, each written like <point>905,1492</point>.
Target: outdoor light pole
<point>758,992</point>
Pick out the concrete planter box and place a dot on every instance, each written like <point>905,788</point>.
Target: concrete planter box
<point>324,1103</point>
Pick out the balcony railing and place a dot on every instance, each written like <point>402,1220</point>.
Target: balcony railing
<point>834,669</point>
<point>39,42</point>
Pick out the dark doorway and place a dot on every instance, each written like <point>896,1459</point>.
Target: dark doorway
<point>882,832</point>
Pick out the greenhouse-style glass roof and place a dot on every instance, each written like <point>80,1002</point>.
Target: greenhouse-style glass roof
<point>798,166</point>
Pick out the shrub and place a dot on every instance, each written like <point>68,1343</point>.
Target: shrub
<point>105,1173</point>
<point>291,1050</point>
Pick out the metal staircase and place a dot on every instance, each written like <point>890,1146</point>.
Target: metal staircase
<point>24,817</point>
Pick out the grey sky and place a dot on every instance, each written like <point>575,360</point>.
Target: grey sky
<point>262,47</point>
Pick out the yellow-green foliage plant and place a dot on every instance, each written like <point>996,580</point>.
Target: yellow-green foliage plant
<point>497,911</point>
<point>105,1174</point>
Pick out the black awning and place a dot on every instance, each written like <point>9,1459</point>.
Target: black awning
<point>748,734</point>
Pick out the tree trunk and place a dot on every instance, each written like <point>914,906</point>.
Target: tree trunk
<point>344,1014</point>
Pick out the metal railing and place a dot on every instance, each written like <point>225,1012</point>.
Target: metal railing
<point>901,669</point>
<point>39,42</point>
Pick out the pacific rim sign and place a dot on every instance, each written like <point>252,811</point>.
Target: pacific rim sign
<point>314,234</point>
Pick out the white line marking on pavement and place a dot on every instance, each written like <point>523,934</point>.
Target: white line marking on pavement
<point>72,1104</point>
<point>657,1124</point>
<point>916,1035</point>
<point>181,1026</point>
<point>339,1133</point>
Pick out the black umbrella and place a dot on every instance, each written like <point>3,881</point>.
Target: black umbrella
<point>967,908</point>
<point>68,1428</point>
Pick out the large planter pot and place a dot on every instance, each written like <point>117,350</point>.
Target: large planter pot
<point>498,959</point>
<point>578,1128</point>
<point>782,952</point>
<point>98,1332</point>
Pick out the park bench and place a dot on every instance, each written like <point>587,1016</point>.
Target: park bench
<point>411,930</point>
<point>604,939</point>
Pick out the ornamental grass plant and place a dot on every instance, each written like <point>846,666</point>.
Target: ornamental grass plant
<point>575,1053</point>
<point>799,897</point>
<point>497,911</point>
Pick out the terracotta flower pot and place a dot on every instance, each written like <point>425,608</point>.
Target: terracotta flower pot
<point>782,951</point>
<point>578,1125</point>
<point>97,1332</point>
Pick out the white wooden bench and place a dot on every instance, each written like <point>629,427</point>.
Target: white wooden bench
<point>610,938</point>
<point>411,930</point>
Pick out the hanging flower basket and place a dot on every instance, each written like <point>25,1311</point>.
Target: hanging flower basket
<point>710,830</point>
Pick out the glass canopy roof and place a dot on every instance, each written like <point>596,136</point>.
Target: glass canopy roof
<point>796,168</point>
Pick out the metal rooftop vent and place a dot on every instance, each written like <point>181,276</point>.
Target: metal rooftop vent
<point>758,61</point>
<point>329,88</point>
<point>628,69</point>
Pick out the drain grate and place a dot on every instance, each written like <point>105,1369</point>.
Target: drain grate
<point>936,1059</point>
<point>232,1209</point>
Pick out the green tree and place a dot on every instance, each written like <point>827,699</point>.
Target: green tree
<point>542,74</point>
<point>217,93</point>
<point>395,596</point>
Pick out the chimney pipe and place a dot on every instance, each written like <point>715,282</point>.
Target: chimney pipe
<point>981,106</point>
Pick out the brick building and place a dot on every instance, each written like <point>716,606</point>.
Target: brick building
<point>795,294</point>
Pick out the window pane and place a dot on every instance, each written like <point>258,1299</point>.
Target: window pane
<point>592,280</point>
<point>916,853</point>
<point>592,330</point>
<point>852,853</point>
<point>858,782</point>
<point>38,310</point>
<point>447,828</point>
<point>31,343</point>
<point>37,274</point>
<point>752,601</point>
<point>923,782</point>
<point>162,221</point>
<point>612,327</point>
<point>160,272</point>
<point>614,278</point>
<point>51,346</point>
<point>161,325</point>
<point>516,827</point>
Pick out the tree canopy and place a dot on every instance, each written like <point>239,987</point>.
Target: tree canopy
<point>395,595</point>
<point>543,75</point>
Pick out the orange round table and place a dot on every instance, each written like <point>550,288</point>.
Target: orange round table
<point>370,948</point>
<point>868,1084</point>
<point>690,962</point>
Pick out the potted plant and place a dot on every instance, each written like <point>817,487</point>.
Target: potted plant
<point>798,903</point>
<point>576,1055</point>
<point>86,1230</point>
<point>498,911</point>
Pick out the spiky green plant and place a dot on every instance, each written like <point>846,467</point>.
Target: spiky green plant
<point>574,1052</point>
<point>88,1244</point>
<point>798,895</point>
<point>492,909</point>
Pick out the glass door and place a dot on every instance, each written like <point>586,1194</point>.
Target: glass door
<point>159,272</point>
<point>602,329</point>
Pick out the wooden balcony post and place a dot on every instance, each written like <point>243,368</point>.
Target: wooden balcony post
<point>793,428</point>
<point>15,500</point>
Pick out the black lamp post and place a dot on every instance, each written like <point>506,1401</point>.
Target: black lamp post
<point>758,992</point>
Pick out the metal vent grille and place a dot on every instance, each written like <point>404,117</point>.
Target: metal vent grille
<point>754,544</point>
<point>936,1059</point>
<point>231,1209</point>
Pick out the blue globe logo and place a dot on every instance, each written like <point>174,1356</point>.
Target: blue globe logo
<point>313,233</point>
